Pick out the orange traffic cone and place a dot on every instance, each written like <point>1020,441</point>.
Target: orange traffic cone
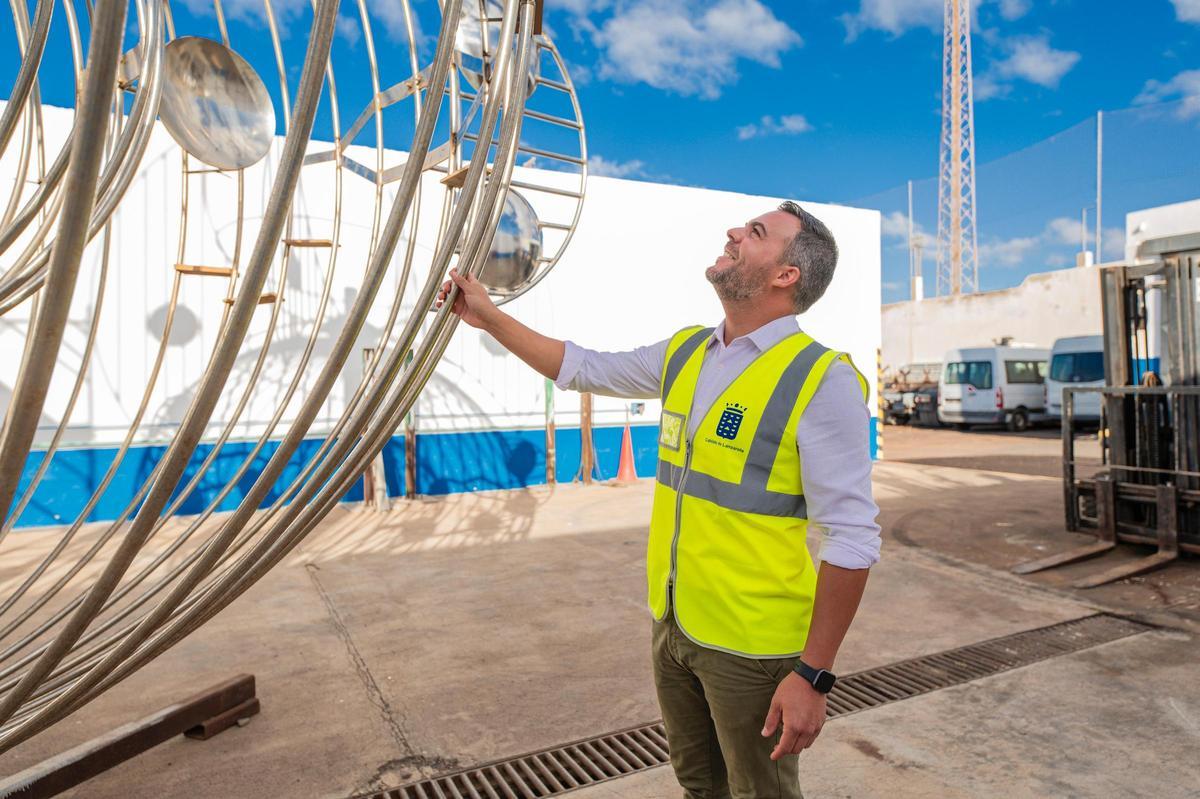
<point>626,473</point>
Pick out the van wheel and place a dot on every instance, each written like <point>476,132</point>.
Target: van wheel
<point>1018,420</point>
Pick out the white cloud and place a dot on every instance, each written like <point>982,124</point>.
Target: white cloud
<point>1059,232</point>
<point>1185,86</point>
<point>786,125</point>
<point>1032,58</point>
<point>895,227</point>
<point>388,14</point>
<point>1187,10</point>
<point>1064,230</point>
<point>1007,252</point>
<point>685,47</point>
<point>1028,58</point>
<point>348,28</point>
<point>581,7</point>
<point>1114,244</point>
<point>252,11</point>
<point>1014,9</point>
<point>893,16</point>
<point>599,165</point>
<point>900,16</point>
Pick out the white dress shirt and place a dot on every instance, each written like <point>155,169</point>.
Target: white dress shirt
<point>833,436</point>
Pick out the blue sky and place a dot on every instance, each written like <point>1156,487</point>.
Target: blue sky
<point>839,100</point>
<point>858,81</point>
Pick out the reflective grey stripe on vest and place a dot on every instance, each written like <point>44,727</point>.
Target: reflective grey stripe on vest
<point>751,495</point>
<point>733,496</point>
<point>776,414</point>
<point>680,357</point>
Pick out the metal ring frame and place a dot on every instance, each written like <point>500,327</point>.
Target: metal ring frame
<point>108,598</point>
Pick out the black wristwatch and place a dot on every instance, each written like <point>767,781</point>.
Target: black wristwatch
<point>820,679</point>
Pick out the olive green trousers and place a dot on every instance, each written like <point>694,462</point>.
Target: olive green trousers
<point>714,705</point>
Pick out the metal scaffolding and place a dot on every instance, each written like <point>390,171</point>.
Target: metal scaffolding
<point>957,254</point>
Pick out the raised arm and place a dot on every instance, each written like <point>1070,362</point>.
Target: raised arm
<point>543,353</point>
<point>634,374</point>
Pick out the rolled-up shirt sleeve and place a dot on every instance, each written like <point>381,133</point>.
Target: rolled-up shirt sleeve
<point>834,442</point>
<point>633,374</point>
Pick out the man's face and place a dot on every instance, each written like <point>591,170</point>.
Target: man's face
<point>752,256</point>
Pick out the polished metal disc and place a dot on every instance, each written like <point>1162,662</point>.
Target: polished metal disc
<point>215,105</point>
<point>516,248</point>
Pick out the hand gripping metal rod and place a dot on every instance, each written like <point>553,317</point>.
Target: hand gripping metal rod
<point>195,420</point>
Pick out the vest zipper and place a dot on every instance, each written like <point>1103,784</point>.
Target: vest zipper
<point>687,464</point>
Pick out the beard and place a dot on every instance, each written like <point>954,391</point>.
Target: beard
<point>733,284</point>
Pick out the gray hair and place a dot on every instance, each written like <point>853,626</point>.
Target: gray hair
<point>814,252</point>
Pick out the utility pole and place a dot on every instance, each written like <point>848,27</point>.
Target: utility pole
<point>958,245</point>
<point>1099,183</point>
<point>916,281</point>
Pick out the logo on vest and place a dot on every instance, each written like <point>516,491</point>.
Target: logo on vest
<point>731,420</point>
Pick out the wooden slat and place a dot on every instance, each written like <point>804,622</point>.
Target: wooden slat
<point>265,299</point>
<point>458,177</point>
<point>210,271</point>
<point>309,242</point>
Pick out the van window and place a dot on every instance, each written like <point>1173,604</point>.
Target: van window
<point>977,373</point>
<point>1025,371</point>
<point>1077,367</point>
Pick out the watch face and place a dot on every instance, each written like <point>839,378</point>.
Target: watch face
<point>824,681</point>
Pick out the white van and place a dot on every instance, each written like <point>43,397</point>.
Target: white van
<point>1077,362</point>
<point>993,385</point>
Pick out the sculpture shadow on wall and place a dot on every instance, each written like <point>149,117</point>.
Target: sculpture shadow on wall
<point>277,372</point>
<point>466,457</point>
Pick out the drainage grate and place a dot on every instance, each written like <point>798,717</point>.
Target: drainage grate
<point>549,772</point>
<point>920,675</point>
<point>555,771</point>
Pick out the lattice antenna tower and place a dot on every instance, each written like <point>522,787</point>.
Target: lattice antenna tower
<point>957,254</point>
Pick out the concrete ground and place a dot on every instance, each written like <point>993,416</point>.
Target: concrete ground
<point>467,628</point>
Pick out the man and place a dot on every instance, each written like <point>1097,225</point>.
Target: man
<point>763,432</point>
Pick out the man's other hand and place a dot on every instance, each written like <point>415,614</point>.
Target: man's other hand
<point>801,709</point>
<point>472,303</point>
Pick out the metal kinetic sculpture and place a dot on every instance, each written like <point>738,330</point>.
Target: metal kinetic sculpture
<point>100,604</point>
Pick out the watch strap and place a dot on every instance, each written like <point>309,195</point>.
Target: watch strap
<point>820,679</point>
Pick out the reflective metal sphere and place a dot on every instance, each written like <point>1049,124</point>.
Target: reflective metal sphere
<point>515,251</point>
<point>215,105</point>
<point>469,40</point>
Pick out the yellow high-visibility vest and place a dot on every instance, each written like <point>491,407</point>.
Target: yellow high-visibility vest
<point>727,532</point>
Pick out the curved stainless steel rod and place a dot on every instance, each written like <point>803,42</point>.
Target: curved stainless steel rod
<point>274,547</point>
<point>574,223</point>
<point>135,600</point>
<point>179,452</point>
<point>27,74</point>
<point>341,350</point>
<point>114,179</point>
<point>87,151</point>
<point>47,180</point>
